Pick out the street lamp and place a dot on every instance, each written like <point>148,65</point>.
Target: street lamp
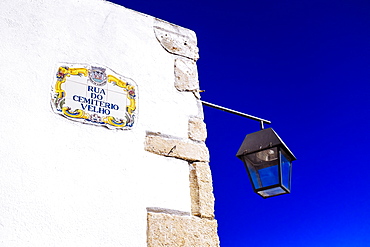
<point>268,162</point>
<point>266,157</point>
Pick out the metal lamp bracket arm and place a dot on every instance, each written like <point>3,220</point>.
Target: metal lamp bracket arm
<point>262,121</point>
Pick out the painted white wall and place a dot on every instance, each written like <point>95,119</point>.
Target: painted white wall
<point>64,183</point>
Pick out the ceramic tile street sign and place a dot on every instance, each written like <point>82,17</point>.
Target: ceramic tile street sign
<point>94,95</point>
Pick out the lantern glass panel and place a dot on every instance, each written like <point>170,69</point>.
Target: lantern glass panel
<point>263,167</point>
<point>286,167</point>
<point>253,174</point>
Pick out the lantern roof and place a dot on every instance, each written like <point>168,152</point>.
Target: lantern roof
<point>263,139</point>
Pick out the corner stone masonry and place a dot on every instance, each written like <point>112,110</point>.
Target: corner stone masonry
<point>165,226</point>
<point>176,40</point>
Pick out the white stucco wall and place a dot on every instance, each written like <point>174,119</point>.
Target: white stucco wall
<point>63,183</point>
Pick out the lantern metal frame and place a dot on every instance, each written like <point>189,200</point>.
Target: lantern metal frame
<point>261,141</point>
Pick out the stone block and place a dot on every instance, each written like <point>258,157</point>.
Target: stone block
<point>186,75</point>
<point>178,148</point>
<point>200,107</point>
<point>197,129</point>
<point>194,192</point>
<point>176,40</point>
<point>185,231</point>
<point>201,190</point>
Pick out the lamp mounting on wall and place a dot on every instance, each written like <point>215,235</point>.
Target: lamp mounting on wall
<point>266,157</point>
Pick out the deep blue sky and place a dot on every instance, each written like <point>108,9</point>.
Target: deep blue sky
<point>305,66</point>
